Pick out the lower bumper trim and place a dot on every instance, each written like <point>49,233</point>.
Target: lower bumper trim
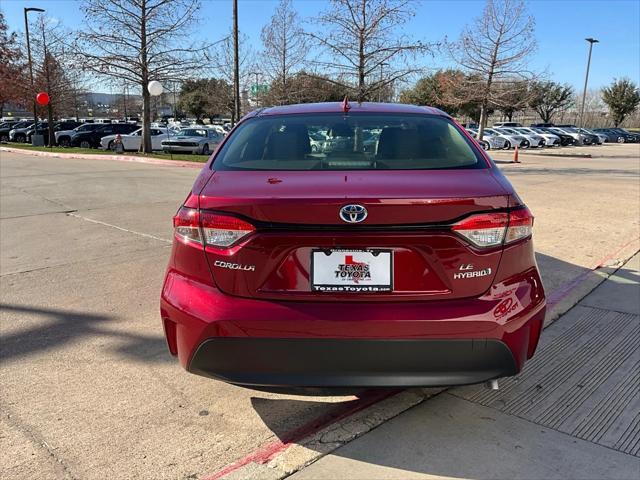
<point>329,362</point>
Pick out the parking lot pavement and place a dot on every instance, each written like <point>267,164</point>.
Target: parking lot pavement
<point>88,389</point>
<point>574,412</point>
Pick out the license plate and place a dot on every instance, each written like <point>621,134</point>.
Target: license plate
<point>368,271</point>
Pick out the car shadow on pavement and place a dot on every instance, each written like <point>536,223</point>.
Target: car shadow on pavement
<point>55,328</point>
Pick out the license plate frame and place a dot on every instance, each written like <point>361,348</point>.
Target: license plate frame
<point>351,277</point>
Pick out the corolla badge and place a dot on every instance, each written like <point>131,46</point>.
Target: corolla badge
<point>353,213</point>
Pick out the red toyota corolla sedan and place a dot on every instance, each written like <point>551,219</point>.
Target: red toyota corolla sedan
<point>363,245</point>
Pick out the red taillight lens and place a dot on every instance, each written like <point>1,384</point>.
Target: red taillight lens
<point>520,225</point>
<point>217,230</point>
<point>492,229</point>
<point>186,225</point>
<point>223,231</point>
<point>483,230</point>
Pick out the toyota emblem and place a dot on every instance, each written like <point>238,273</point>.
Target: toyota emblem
<point>353,213</point>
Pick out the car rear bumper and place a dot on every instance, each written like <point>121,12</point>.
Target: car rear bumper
<point>330,362</point>
<point>337,344</point>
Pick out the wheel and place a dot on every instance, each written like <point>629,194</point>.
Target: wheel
<point>85,144</point>
<point>64,142</point>
<point>4,137</point>
<point>620,139</point>
<point>111,146</point>
<point>526,144</point>
<point>485,145</point>
<point>507,145</point>
<point>205,149</point>
<point>20,138</point>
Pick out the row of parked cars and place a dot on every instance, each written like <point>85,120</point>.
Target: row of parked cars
<point>508,135</point>
<point>198,139</point>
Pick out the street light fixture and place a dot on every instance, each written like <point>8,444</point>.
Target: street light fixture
<point>35,139</point>
<point>584,92</point>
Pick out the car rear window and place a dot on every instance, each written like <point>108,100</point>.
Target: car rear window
<point>357,141</point>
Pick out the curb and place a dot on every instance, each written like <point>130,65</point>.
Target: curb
<point>99,156</point>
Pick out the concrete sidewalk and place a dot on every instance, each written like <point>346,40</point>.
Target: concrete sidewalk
<point>574,412</point>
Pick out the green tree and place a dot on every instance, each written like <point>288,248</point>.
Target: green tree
<point>548,98</point>
<point>622,97</point>
<point>206,97</point>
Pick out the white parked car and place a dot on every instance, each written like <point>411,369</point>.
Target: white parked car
<point>535,140</point>
<point>550,140</point>
<point>514,139</point>
<point>199,140</point>
<point>489,141</point>
<point>132,142</point>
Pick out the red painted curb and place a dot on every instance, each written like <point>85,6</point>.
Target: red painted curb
<point>97,156</point>
<point>267,452</point>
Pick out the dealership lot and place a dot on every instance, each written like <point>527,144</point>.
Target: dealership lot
<point>88,387</point>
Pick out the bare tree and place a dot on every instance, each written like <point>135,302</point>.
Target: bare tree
<point>494,49</point>
<point>363,47</point>
<point>285,51</point>
<point>12,67</point>
<point>137,41</point>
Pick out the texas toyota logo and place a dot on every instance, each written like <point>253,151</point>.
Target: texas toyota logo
<point>353,271</point>
<point>353,213</point>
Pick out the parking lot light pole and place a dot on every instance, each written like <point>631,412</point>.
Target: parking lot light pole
<point>584,92</point>
<point>33,88</point>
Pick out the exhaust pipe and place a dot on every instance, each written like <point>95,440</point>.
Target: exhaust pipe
<point>492,384</point>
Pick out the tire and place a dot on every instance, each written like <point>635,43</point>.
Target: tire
<point>85,144</point>
<point>20,139</point>
<point>621,140</point>
<point>205,149</point>
<point>64,142</point>
<point>111,146</point>
<point>485,145</point>
<point>4,138</point>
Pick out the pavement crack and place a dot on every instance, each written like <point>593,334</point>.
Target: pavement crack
<point>62,468</point>
<point>122,229</point>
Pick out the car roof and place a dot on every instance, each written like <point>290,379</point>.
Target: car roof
<point>337,107</point>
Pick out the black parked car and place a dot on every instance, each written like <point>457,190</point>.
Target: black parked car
<point>4,129</point>
<point>565,139</point>
<point>542,125</point>
<point>43,129</point>
<point>91,138</point>
<point>613,137</point>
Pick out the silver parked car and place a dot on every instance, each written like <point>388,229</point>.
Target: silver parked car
<point>490,141</point>
<point>198,140</point>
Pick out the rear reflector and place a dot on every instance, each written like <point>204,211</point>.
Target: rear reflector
<point>487,230</point>
<point>191,226</point>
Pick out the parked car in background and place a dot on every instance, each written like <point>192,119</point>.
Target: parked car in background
<point>6,127</point>
<point>299,269</point>
<point>538,125</point>
<point>91,138</point>
<point>627,135</point>
<point>19,133</point>
<point>535,140</point>
<point>586,139</point>
<point>514,139</point>
<point>489,141</point>
<point>63,137</point>
<point>550,140</point>
<point>57,127</point>
<point>132,141</point>
<point>581,135</point>
<point>602,138</point>
<point>612,137</point>
<point>506,124</point>
<point>201,141</point>
<point>565,138</point>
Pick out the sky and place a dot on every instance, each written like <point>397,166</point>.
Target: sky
<point>561,27</point>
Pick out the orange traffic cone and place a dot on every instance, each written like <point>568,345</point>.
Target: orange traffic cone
<point>515,155</point>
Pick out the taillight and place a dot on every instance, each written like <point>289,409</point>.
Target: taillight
<point>186,225</point>
<point>216,230</point>
<point>487,230</point>
<point>223,231</point>
<point>520,225</point>
<point>483,230</point>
